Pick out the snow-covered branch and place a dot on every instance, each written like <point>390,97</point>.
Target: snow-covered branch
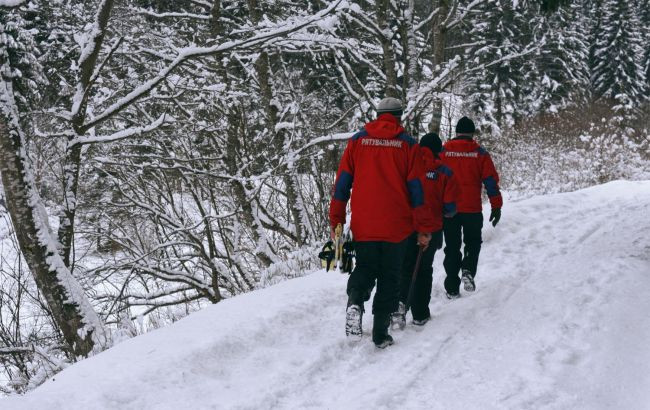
<point>120,135</point>
<point>16,350</point>
<point>434,86</point>
<point>187,53</point>
<point>194,16</point>
<point>465,11</point>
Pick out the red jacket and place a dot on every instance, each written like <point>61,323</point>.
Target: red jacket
<point>383,165</point>
<point>440,188</point>
<point>472,167</point>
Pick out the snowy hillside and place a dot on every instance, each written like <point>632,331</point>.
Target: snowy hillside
<point>559,320</point>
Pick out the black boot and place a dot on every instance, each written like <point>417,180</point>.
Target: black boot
<point>380,335</point>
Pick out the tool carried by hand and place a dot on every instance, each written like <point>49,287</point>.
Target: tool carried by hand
<point>326,256</point>
<point>338,252</point>
<point>414,277</point>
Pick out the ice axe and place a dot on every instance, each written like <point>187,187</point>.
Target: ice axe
<point>414,277</point>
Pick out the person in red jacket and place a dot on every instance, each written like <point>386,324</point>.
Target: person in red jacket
<point>381,166</point>
<point>441,192</point>
<point>473,167</point>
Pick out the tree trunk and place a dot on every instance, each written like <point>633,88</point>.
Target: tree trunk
<point>70,309</point>
<point>70,188</point>
<point>87,65</point>
<point>264,253</point>
<point>438,57</point>
<point>215,15</point>
<point>410,83</point>
<point>383,13</point>
<point>263,72</point>
<point>241,198</point>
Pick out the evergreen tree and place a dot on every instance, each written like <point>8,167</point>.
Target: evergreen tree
<point>494,78</point>
<point>552,5</point>
<point>644,8</point>
<point>592,10</point>
<point>564,61</point>
<point>618,74</point>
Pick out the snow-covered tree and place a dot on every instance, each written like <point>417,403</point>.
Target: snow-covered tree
<point>563,63</point>
<point>502,47</point>
<point>617,73</point>
<point>594,16</point>
<point>644,9</point>
<point>20,73</point>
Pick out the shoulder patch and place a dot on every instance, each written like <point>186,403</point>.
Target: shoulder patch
<point>405,137</point>
<point>482,151</point>
<point>360,134</point>
<point>445,170</point>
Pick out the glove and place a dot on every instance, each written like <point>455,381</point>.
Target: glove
<point>495,216</point>
<point>347,257</point>
<point>436,239</point>
<point>423,240</point>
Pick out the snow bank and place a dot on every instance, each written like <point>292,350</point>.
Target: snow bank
<point>559,320</point>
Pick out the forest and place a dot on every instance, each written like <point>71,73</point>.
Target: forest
<point>161,156</point>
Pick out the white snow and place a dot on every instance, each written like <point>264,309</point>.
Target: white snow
<point>11,3</point>
<point>559,321</point>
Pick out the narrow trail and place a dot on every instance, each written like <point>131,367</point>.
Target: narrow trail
<point>559,320</point>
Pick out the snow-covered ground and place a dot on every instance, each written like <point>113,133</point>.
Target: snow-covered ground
<point>560,320</point>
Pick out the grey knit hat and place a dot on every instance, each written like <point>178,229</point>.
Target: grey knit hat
<point>390,105</point>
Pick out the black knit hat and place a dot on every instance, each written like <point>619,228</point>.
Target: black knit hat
<point>432,141</point>
<point>465,126</point>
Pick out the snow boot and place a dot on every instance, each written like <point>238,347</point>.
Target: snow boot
<point>468,281</point>
<point>398,319</point>
<point>380,336</point>
<point>421,322</point>
<point>451,295</point>
<point>353,319</point>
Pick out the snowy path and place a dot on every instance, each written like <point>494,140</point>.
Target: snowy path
<point>560,319</point>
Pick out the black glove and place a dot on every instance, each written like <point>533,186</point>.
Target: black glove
<point>347,258</point>
<point>495,216</point>
<point>436,239</point>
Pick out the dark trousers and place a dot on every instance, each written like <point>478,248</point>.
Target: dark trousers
<point>466,227</point>
<point>422,286</point>
<point>381,261</point>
